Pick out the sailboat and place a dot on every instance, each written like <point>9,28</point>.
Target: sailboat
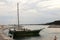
<point>20,32</point>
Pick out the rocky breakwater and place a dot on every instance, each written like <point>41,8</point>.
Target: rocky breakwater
<point>2,35</point>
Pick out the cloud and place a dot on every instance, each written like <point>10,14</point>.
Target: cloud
<point>31,11</point>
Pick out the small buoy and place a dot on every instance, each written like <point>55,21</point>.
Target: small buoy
<point>55,38</point>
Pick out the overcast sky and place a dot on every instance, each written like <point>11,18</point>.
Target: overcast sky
<point>31,11</point>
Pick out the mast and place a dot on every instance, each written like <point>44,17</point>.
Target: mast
<point>18,14</point>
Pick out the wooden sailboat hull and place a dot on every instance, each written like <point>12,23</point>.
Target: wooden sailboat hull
<point>18,34</point>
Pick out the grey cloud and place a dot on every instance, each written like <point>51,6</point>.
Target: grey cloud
<point>30,12</point>
<point>44,14</point>
<point>3,1</point>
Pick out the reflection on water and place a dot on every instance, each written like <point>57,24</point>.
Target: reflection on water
<point>29,38</point>
<point>46,34</point>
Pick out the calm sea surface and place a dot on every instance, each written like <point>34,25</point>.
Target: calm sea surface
<point>46,34</point>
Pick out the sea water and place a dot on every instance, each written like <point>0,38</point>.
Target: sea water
<point>45,34</point>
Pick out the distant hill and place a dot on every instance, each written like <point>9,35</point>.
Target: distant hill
<point>57,22</point>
